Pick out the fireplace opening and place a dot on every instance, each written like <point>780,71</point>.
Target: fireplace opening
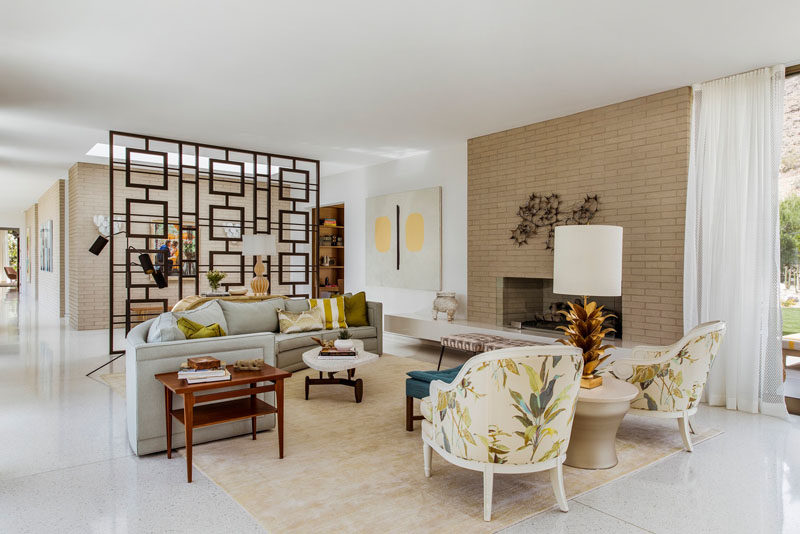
<point>530,304</point>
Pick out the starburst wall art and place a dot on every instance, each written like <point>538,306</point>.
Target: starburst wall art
<point>542,212</point>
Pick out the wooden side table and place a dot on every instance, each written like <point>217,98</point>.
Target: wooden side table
<point>248,407</point>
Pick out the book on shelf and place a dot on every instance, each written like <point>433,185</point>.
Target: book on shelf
<point>222,378</point>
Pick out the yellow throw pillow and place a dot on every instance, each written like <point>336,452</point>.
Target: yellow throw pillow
<point>193,330</point>
<point>355,309</point>
<point>333,311</point>
<point>304,321</point>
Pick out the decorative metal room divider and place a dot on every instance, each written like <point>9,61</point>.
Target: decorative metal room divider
<point>188,204</point>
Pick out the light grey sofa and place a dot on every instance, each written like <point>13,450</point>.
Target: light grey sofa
<point>145,395</point>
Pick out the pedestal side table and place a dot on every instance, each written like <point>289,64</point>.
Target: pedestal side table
<point>592,444</point>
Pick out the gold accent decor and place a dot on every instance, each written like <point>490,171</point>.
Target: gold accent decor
<point>260,283</point>
<point>591,381</point>
<point>586,332</point>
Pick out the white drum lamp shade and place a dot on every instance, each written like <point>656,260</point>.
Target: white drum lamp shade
<point>588,260</point>
<point>258,245</point>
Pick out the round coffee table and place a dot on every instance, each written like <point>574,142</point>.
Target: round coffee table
<point>311,358</point>
<point>592,444</point>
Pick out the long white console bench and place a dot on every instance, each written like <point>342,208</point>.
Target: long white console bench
<point>423,327</point>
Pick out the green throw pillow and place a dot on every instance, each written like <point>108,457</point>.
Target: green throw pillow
<point>355,309</point>
<point>193,330</point>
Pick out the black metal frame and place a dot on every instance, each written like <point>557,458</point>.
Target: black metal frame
<point>196,163</point>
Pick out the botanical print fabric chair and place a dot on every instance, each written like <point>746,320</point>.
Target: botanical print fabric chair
<point>671,379</point>
<point>507,411</point>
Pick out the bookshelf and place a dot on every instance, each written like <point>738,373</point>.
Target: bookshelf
<point>329,241</point>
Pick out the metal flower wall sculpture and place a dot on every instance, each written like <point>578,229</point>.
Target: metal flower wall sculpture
<point>543,212</point>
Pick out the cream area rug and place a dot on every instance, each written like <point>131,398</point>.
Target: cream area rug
<point>354,468</point>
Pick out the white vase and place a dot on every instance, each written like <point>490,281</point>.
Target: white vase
<point>445,302</point>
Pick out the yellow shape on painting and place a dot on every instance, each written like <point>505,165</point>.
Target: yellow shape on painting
<point>415,232</point>
<point>383,234</point>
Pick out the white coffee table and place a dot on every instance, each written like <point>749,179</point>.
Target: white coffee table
<point>311,358</point>
<point>592,444</point>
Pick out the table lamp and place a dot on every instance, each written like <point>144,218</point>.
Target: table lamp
<point>587,261</point>
<point>259,245</point>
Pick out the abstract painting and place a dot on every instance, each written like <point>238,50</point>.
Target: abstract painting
<point>46,246</point>
<point>404,239</point>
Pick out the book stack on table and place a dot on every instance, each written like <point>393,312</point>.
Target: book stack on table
<point>334,354</point>
<point>203,369</point>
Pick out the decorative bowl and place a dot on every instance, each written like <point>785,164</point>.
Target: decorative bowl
<point>237,291</point>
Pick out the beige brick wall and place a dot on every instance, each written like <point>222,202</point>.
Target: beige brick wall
<point>634,155</point>
<point>88,274</point>
<point>51,283</point>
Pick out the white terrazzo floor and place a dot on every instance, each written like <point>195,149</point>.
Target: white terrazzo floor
<point>65,464</point>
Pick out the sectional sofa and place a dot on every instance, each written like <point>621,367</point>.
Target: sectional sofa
<point>144,359</point>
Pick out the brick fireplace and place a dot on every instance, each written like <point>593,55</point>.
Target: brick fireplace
<point>634,155</point>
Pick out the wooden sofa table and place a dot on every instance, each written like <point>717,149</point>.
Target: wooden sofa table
<point>244,403</point>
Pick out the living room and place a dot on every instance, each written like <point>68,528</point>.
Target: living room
<point>313,267</point>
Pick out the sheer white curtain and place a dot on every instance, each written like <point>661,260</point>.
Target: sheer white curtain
<point>731,257</point>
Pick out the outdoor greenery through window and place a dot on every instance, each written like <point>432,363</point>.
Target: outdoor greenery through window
<point>790,208</point>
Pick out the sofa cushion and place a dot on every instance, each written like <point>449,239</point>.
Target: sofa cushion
<point>332,309</point>
<point>251,317</point>
<point>165,327</point>
<point>208,313</point>
<point>296,305</point>
<point>355,309</point>
<point>284,342</point>
<point>291,323</point>
<point>362,332</point>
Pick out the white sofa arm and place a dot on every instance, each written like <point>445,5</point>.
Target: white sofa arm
<point>145,395</point>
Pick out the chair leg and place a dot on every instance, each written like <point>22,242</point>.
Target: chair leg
<point>691,428</point>
<point>426,458</point>
<point>488,483</point>
<point>409,413</point>
<point>683,426</point>
<point>557,480</point>
<point>441,354</point>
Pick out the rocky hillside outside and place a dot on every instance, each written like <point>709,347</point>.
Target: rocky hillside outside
<point>790,207</point>
<point>790,154</point>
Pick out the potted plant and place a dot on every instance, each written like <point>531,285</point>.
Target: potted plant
<point>214,278</point>
<point>345,341</point>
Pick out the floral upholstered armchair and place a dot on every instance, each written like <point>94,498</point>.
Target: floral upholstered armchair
<point>671,379</point>
<point>506,411</point>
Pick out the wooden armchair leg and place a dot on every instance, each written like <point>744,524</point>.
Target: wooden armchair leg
<point>426,458</point>
<point>488,484</point>
<point>683,426</point>
<point>409,413</point>
<point>557,480</point>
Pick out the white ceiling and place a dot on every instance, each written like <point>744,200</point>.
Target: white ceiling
<point>351,82</point>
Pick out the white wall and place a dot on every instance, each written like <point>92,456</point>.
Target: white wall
<point>446,167</point>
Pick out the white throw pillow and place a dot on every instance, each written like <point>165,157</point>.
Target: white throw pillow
<point>165,327</point>
<point>207,314</point>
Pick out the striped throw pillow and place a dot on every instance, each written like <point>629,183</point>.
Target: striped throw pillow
<point>332,309</point>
